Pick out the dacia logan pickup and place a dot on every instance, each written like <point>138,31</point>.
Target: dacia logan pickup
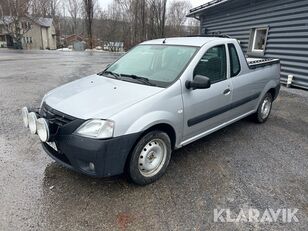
<point>160,96</point>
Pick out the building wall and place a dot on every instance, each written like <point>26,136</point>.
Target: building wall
<point>288,30</point>
<point>35,36</point>
<point>44,32</point>
<point>41,37</point>
<point>52,37</point>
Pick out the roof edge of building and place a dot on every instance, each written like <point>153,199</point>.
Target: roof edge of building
<point>197,10</point>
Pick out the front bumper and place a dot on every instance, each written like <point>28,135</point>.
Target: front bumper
<point>108,156</point>
<point>94,157</point>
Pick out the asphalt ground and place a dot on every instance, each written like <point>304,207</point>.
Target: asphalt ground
<point>243,166</point>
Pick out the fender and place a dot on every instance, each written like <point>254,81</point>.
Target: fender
<point>271,84</point>
<point>150,119</point>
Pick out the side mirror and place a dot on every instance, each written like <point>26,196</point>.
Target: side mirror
<point>199,82</point>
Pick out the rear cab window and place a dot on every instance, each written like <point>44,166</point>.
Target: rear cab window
<point>235,65</point>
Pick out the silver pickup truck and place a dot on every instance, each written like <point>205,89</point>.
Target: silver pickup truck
<point>160,96</point>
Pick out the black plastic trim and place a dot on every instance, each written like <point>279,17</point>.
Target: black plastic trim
<point>55,116</point>
<point>209,115</point>
<point>57,156</point>
<point>109,155</point>
<point>277,90</point>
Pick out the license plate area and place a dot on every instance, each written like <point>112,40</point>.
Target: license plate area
<point>52,145</point>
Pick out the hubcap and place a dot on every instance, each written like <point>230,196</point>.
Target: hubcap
<point>152,157</point>
<point>266,108</point>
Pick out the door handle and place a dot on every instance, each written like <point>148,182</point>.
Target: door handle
<point>227,91</point>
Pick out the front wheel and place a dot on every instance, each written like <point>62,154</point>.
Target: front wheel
<point>264,109</point>
<point>150,158</point>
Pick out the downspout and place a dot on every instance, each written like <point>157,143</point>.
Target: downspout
<point>42,38</point>
<point>47,34</point>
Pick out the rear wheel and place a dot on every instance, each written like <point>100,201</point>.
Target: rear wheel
<point>150,158</point>
<point>264,109</point>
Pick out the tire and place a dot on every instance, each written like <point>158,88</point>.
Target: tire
<point>150,158</point>
<point>264,109</point>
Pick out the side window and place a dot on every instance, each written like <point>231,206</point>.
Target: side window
<point>235,65</point>
<point>213,64</point>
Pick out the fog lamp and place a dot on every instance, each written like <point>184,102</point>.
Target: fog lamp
<point>25,112</point>
<point>32,122</point>
<point>42,129</point>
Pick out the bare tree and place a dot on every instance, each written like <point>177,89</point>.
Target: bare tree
<point>128,21</point>
<point>15,18</point>
<point>177,16</point>
<point>163,19</point>
<point>55,14</point>
<point>54,7</point>
<point>40,7</point>
<point>44,8</point>
<point>89,14</point>
<point>143,19</point>
<point>157,10</point>
<point>127,12</point>
<point>74,7</point>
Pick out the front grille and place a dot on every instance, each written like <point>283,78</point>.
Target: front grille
<point>55,117</point>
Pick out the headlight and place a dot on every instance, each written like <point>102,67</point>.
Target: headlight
<point>32,122</point>
<point>25,112</point>
<point>97,129</point>
<point>42,129</point>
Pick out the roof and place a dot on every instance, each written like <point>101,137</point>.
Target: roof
<point>184,41</point>
<point>44,22</point>
<point>73,37</point>
<point>197,10</point>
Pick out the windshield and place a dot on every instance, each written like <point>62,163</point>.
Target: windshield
<point>158,65</point>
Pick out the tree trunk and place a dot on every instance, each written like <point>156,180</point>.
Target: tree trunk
<point>143,20</point>
<point>163,18</point>
<point>89,9</point>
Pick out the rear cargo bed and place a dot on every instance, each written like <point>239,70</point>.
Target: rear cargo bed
<point>254,63</point>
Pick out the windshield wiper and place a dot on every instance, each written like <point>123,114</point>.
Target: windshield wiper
<point>117,76</point>
<point>139,78</point>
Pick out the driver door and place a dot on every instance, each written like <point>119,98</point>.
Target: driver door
<point>205,109</point>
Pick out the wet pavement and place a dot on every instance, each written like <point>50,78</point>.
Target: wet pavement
<point>245,165</point>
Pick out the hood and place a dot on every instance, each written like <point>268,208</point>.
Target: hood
<point>97,97</point>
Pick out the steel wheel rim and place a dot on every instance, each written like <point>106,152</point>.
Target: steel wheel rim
<point>266,108</point>
<point>152,157</point>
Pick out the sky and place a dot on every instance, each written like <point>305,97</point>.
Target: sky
<point>104,3</point>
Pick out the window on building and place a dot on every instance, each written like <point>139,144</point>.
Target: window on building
<point>30,39</point>
<point>234,61</point>
<point>213,64</point>
<point>258,39</point>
